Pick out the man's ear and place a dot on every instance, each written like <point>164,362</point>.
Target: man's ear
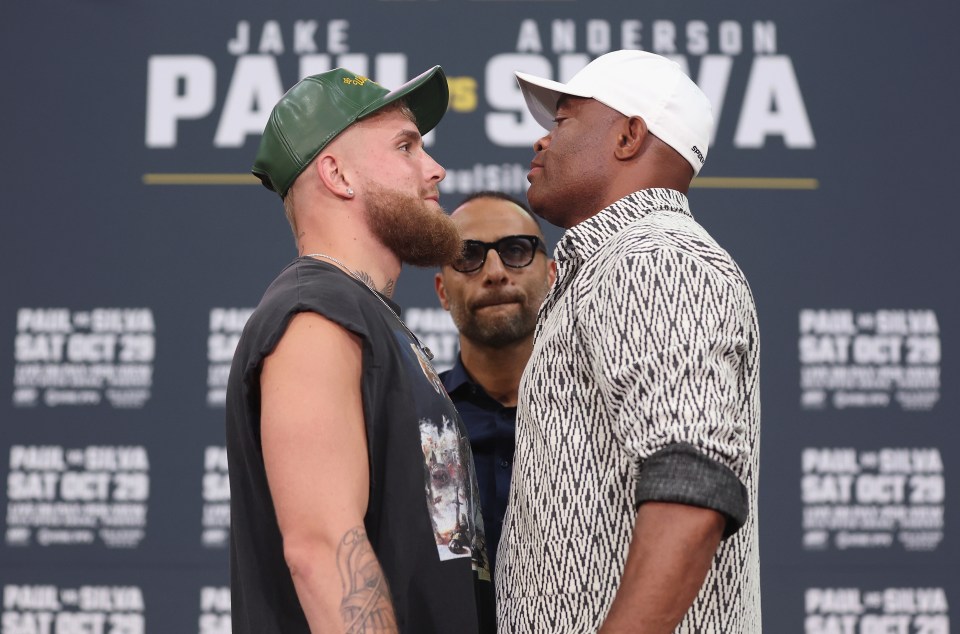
<point>331,175</point>
<point>441,291</point>
<point>633,132</point>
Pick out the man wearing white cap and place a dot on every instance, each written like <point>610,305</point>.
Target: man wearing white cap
<point>634,499</point>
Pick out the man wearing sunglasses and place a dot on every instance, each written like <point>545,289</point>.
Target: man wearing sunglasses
<point>493,293</point>
<point>634,498</point>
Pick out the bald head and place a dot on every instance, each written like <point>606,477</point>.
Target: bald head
<point>493,209</point>
<point>495,305</point>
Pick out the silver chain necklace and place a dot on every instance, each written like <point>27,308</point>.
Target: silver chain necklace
<point>426,351</point>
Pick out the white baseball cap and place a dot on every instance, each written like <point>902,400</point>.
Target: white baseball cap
<point>634,83</point>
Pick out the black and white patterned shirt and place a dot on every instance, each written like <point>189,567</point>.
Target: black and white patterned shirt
<point>643,385</point>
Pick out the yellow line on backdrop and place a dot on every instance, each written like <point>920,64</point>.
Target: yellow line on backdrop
<point>730,182</point>
<point>200,179</point>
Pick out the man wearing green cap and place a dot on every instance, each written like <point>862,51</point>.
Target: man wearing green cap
<point>354,503</point>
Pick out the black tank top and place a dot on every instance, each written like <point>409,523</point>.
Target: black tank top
<point>423,519</point>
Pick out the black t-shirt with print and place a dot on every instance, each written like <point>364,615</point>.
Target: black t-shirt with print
<point>423,518</point>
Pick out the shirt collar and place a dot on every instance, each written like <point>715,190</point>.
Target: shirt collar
<point>456,377</point>
<point>585,238</point>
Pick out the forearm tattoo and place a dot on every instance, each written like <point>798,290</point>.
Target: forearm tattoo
<point>366,605</point>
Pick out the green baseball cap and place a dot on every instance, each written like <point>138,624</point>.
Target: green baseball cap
<point>320,107</point>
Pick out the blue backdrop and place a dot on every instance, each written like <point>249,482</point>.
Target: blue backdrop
<point>135,242</point>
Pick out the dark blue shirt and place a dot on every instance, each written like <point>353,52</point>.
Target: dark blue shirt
<point>491,429</point>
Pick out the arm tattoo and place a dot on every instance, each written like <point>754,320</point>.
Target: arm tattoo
<point>366,606</point>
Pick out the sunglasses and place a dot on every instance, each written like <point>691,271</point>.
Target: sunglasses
<point>514,251</point>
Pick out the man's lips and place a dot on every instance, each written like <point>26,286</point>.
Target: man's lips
<point>496,301</point>
<point>534,169</point>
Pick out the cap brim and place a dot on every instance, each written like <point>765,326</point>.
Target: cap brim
<point>427,95</point>
<point>542,96</point>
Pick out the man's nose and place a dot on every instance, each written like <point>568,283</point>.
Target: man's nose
<point>542,143</point>
<point>433,170</point>
<point>494,269</point>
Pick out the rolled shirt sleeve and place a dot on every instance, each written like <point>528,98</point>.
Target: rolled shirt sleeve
<point>682,474</point>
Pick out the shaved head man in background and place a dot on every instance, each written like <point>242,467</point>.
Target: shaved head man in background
<point>493,293</point>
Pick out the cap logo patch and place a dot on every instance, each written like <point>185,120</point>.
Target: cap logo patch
<point>359,80</point>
